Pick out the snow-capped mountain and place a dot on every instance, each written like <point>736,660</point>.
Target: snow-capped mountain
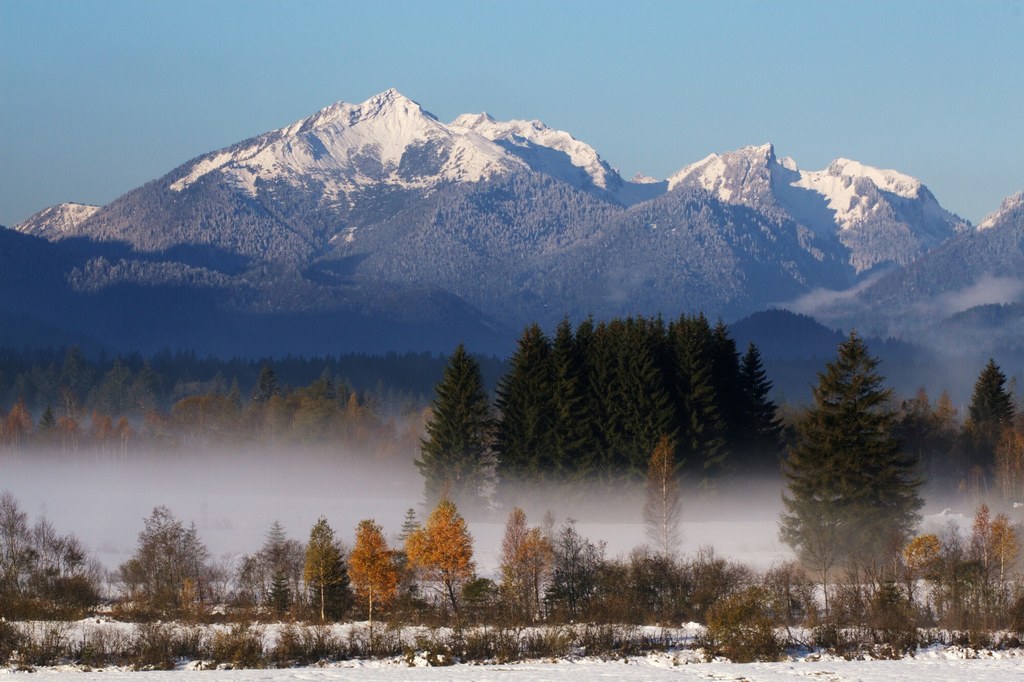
<point>55,221</point>
<point>379,211</point>
<point>881,216</point>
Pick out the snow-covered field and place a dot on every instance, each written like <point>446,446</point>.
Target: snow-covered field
<point>934,666</point>
<point>683,662</point>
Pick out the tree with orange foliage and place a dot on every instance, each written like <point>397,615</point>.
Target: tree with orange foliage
<point>371,569</point>
<point>526,556</point>
<point>17,426</point>
<point>442,551</point>
<point>1010,464</point>
<point>923,557</point>
<point>995,546</point>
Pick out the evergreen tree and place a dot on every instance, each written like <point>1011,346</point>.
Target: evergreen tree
<point>48,420</point>
<point>454,455</point>
<point>524,438</point>
<point>266,386</point>
<point>701,428</point>
<point>990,412</point>
<point>850,490</point>
<point>645,404</point>
<point>725,377</point>
<point>758,446</point>
<point>325,575</point>
<point>409,525</point>
<point>571,427</point>
<point>280,593</point>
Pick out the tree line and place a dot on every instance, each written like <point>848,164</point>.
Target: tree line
<point>130,384</point>
<point>592,403</point>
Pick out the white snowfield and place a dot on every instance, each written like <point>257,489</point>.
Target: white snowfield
<point>933,667</point>
<point>935,664</point>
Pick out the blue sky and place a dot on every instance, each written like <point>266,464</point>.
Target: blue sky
<point>99,97</point>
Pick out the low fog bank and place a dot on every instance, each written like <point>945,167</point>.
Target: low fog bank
<point>234,497</point>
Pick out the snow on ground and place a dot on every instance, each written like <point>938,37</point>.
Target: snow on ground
<point>936,663</point>
<point>936,668</point>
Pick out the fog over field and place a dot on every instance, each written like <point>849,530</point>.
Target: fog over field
<point>233,498</point>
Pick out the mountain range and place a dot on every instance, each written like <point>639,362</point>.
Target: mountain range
<point>375,226</point>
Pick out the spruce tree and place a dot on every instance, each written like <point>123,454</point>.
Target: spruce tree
<point>266,386</point>
<point>725,376</point>
<point>701,427</point>
<point>990,412</point>
<point>850,490</point>
<point>645,404</point>
<point>758,446</point>
<point>524,437</point>
<point>454,455</point>
<point>571,427</point>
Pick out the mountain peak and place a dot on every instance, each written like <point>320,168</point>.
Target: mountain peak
<point>886,180</point>
<point>729,175</point>
<point>57,221</point>
<point>472,121</point>
<point>1010,203</point>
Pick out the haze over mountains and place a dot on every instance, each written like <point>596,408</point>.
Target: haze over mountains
<point>375,226</point>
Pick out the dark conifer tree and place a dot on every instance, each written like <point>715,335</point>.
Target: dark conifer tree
<point>524,438</point>
<point>48,420</point>
<point>701,428</point>
<point>990,412</point>
<point>725,377</point>
<point>645,405</point>
<point>602,398</point>
<point>851,491</point>
<point>571,427</point>
<point>266,386</point>
<point>759,444</point>
<point>454,455</point>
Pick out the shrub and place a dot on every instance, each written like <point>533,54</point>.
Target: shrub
<point>241,646</point>
<point>739,628</point>
<point>11,640</point>
<point>47,644</point>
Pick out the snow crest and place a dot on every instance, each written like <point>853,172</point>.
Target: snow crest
<point>350,145</point>
<point>524,137</point>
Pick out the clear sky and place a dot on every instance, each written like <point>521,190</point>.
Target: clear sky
<point>99,97</point>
